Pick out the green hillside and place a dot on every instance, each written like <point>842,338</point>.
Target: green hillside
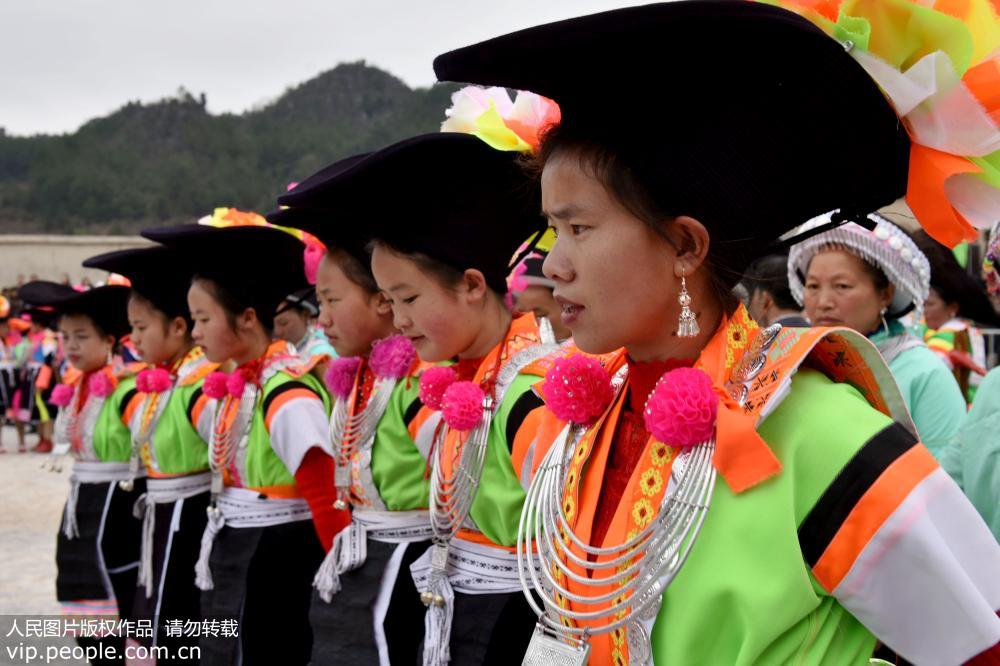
<point>172,161</point>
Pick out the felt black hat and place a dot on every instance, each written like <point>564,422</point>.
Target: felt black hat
<point>449,196</point>
<point>158,274</point>
<point>954,284</point>
<point>107,305</point>
<point>258,265</point>
<point>337,222</point>
<point>741,114</point>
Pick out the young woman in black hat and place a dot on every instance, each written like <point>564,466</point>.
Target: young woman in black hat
<point>97,551</point>
<point>444,244</point>
<point>692,136</point>
<point>366,608</point>
<point>271,512</point>
<point>170,432</point>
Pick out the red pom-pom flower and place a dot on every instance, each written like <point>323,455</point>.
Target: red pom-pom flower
<point>341,374</point>
<point>682,409</point>
<point>153,380</point>
<point>577,389</point>
<point>62,395</point>
<point>215,385</point>
<point>434,382</point>
<point>235,383</point>
<point>392,357</point>
<point>100,385</point>
<point>462,405</point>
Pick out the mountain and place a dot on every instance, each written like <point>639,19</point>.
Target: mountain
<point>173,161</point>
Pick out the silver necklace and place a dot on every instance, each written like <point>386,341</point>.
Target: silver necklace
<point>350,432</point>
<point>643,566</point>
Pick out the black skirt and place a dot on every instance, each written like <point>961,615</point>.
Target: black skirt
<point>491,629</point>
<point>175,598</point>
<point>263,579</point>
<point>345,629</point>
<point>103,561</point>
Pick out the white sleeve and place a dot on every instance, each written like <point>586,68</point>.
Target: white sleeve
<point>297,421</point>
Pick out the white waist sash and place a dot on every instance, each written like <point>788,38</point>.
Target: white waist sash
<point>89,471</point>
<point>239,508</point>
<point>472,568</point>
<point>162,491</point>
<point>350,546</point>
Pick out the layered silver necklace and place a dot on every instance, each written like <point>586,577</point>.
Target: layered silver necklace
<point>225,440</point>
<point>350,433</point>
<point>640,568</point>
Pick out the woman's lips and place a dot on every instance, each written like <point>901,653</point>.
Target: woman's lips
<point>827,321</point>
<point>570,310</point>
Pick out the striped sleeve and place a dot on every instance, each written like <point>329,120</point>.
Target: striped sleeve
<point>895,541</point>
<point>200,411</point>
<point>130,402</point>
<point>296,421</point>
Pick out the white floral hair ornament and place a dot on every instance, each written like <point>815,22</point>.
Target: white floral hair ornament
<point>489,114</point>
<point>886,247</point>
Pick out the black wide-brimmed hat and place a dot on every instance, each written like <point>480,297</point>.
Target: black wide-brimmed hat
<point>106,306</point>
<point>258,265</point>
<point>158,274</point>
<point>338,222</point>
<point>740,114</point>
<point>446,195</point>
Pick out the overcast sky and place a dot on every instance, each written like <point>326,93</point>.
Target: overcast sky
<point>63,62</point>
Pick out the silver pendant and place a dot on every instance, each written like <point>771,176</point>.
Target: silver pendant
<point>547,649</point>
<point>639,649</point>
<point>439,557</point>
<point>342,477</point>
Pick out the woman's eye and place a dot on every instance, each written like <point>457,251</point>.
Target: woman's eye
<point>409,300</point>
<point>576,229</point>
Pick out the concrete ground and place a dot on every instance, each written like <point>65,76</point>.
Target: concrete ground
<point>31,501</point>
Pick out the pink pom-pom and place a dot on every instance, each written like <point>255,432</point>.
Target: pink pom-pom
<point>62,395</point>
<point>433,383</point>
<point>392,357</point>
<point>681,410</point>
<point>578,389</point>
<point>235,384</point>
<point>215,385</point>
<point>340,376</point>
<point>311,256</point>
<point>462,405</point>
<point>100,385</point>
<point>153,380</point>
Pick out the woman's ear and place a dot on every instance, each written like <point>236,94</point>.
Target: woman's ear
<point>383,306</point>
<point>692,242</point>
<point>246,319</point>
<point>178,328</point>
<point>473,285</point>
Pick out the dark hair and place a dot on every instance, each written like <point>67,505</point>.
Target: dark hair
<point>770,275</point>
<point>444,274</point>
<point>356,271</point>
<point>165,317</point>
<point>101,331</point>
<point>637,197</point>
<point>232,305</point>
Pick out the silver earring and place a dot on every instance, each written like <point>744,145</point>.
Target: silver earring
<point>687,324</point>
<point>885,324</point>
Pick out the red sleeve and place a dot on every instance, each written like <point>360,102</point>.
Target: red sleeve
<point>315,481</point>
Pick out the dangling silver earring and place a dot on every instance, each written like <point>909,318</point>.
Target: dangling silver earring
<point>885,324</point>
<point>687,324</point>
